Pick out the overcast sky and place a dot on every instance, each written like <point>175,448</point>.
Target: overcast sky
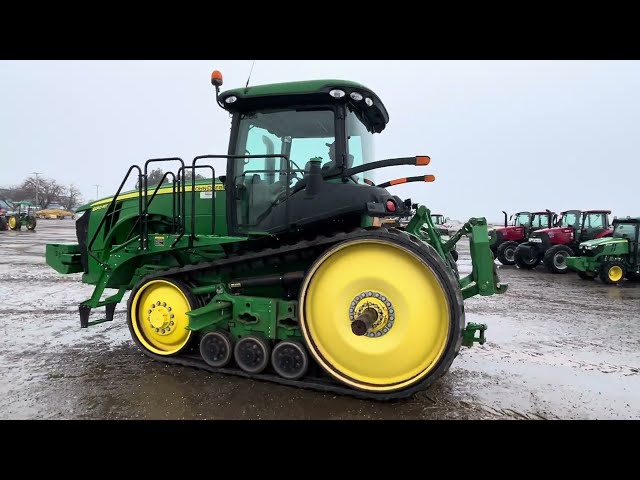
<point>502,135</point>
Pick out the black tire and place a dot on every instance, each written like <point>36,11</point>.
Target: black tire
<point>522,259</point>
<point>31,223</point>
<point>555,258</point>
<point>3,223</point>
<point>450,288</point>
<point>506,252</point>
<point>632,276</point>
<point>454,265</point>
<point>610,274</point>
<point>587,275</point>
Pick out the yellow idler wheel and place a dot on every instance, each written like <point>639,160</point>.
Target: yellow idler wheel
<point>382,313</point>
<point>157,316</point>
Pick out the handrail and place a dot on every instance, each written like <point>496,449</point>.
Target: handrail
<point>112,204</point>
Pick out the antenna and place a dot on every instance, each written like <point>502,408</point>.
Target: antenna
<point>248,78</point>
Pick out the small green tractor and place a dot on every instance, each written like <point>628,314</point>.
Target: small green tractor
<point>281,268</point>
<point>611,258</point>
<point>16,214</point>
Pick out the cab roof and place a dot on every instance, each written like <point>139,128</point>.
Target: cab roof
<point>626,220</point>
<point>308,93</point>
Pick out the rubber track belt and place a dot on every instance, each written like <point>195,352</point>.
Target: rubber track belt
<point>308,383</point>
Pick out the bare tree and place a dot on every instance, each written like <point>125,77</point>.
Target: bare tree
<point>72,198</point>
<point>49,191</point>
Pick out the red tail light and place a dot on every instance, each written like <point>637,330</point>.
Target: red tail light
<point>391,205</point>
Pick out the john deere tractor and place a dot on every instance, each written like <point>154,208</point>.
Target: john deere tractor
<point>505,240</point>
<point>281,268</point>
<point>552,246</point>
<point>610,258</point>
<point>17,214</point>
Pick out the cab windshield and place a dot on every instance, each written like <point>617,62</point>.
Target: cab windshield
<point>360,146</point>
<point>625,230</point>
<point>522,220</point>
<point>302,135</point>
<point>540,221</point>
<point>568,220</point>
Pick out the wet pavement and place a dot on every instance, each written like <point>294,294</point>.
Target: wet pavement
<point>557,348</point>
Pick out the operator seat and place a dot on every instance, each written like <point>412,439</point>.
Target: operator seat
<point>330,164</point>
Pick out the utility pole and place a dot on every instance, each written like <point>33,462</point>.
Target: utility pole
<point>37,184</point>
<point>97,186</point>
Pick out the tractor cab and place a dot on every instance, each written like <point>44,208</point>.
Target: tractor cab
<point>595,224</point>
<point>523,223</point>
<point>580,226</point>
<point>438,219</point>
<point>629,229</point>
<point>300,155</point>
<point>520,219</point>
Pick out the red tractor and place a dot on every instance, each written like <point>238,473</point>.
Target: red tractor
<point>552,246</point>
<point>504,240</point>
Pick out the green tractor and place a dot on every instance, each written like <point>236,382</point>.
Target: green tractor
<point>440,222</point>
<point>610,258</point>
<point>16,215</point>
<point>281,268</point>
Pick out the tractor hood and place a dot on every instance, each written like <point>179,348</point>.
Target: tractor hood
<point>602,241</point>
<point>547,230</point>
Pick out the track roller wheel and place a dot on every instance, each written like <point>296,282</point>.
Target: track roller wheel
<point>157,316</point>
<point>612,272</point>
<point>382,313</point>
<point>506,252</point>
<point>252,353</point>
<point>290,360</point>
<point>216,348</point>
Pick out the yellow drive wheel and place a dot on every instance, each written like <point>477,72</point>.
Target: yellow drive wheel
<point>615,273</point>
<point>157,316</point>
<point>612,272</point>
<point>381,313</point>
<point>13,223</point>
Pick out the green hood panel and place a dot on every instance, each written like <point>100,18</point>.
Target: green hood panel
<point>602,241</point>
